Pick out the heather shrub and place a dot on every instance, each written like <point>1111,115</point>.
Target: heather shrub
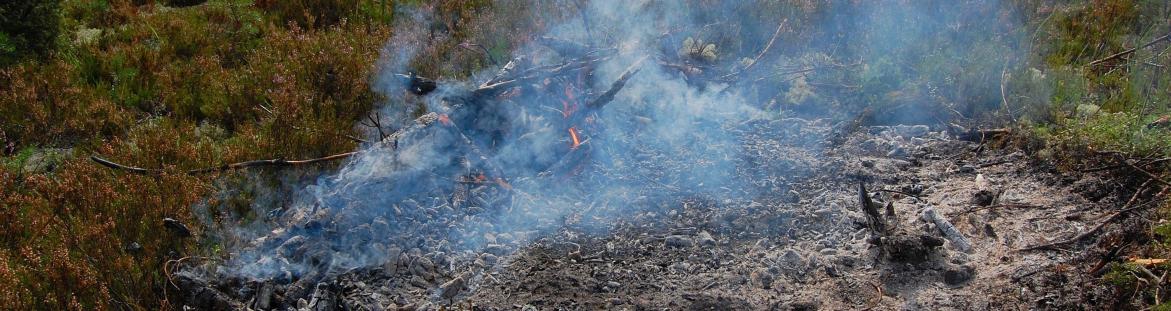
<point>27,28</point>
<point>313,14</point>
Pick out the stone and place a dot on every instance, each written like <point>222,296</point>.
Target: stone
<point>489,259</point>
<point>453,287</point>
<point>133,247</point>
<point>762,278</point>
<point>957,275</point>
<point>897,152</point>
<point>983,197</point>
<point>176,227</point>
<point>293,247</point>
<point>705,239</point>
<point>496,249</point>
<point>679,241</point>
<point>967,169</point>
<point>909,131</point>
<point>393,255</point>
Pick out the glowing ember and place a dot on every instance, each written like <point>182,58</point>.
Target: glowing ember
<point>573,134</point>
<point>443,119</point>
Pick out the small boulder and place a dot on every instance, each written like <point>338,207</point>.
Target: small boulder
<point>705,239</point>
<point>957,275</point>
<point>679,241</point>
<point>176,227</point>
<point>762,278</point>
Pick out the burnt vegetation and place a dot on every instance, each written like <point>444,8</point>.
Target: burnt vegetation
<point>348,154</point>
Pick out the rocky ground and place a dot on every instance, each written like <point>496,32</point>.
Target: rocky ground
<point>795,238</point>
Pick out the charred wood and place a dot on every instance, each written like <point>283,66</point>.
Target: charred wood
<point>949,231</point>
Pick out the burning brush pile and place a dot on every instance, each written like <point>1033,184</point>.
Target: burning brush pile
<point>567,135</point>
<point>634,173</point>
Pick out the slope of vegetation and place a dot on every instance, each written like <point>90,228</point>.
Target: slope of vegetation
<point>185,84</point>
<point>157,86</point>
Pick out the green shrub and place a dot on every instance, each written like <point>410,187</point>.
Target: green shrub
<point>27,28</point>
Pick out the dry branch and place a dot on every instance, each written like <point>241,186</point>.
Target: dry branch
<point>1111,218</point>
<point>756,59</point>
<point>1130,51</point>
<point>608,96</point>
<point>232,166</point>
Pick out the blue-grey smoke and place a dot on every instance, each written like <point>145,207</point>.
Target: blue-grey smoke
<point>666,133</point>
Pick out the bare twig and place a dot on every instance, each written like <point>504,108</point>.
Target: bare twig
<point>1150,175</point>
<point>608,96</point>
<point>902,193</point>
<point>1009,205</point>
<point>1130,51</point>
<point>1111,218</point>
<point>132,169</point>
<point>1004,90</point>
<point>232,166</point>
<point>481,49</point>
<point>756,59</point>
<point>376,122</point>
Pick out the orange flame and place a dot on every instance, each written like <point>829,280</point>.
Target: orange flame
<point>573,134</point>
<point>443,119</point>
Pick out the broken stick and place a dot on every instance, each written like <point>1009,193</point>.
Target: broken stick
<point>1130,51</point>
<point>1111,218</point>
<point>226,167</point>
<point>608,96</point>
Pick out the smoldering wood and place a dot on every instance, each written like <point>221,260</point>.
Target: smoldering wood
<point>949,231</point>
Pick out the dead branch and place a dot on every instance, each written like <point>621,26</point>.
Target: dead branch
<point>1150,175</point>
<point>608,96</point>
<point>1130,51</point>
<point>479,49</point>
<point>226,167</point>
<point>1007,205</point>
<point>1111,218</point>
<point>902,193</point>
<point>756,59</point>
<point>536,73</point>
<point>376,122</point>
<point>132,169</point>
